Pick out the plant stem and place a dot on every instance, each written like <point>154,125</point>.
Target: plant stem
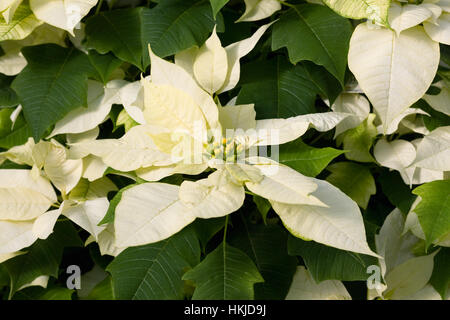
<point>99,6</point>
<point>225,230</point>
<point>286,4</point>
<point>320,136</point>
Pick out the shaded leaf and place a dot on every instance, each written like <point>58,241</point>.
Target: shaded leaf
<point>440,279</point>
<point>52,84</point>
<point>354,180</point>
<point>154,271</point>
<point>327,263</point>
<point>42,258</point>
<point>225,274</point>
<point>104,65</point>
<point>278,89</point>
<point>277,268</point>
<point>315,33</point>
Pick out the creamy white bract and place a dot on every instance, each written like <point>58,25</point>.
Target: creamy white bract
<point>28,195</point>
<point>184,131</point>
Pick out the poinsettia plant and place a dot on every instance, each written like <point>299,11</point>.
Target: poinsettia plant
<point>224,149</point>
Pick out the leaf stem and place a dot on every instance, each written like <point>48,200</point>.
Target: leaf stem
<point>225,230</point>
<point>55,205</point>
<point>320,136</point>
<point>286,4</point>
<point>99,6</point>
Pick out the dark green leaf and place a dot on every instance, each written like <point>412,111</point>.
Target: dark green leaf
<point>102,291</point>
<point>52,84</point>
<point>305,159</point>
<point>103,65</point>
<point>315,33</point>
<point>436,119</point>
<point>12,165</point>
<point>217,5</point>
<point>42,258</point>
<point>354,180</point>
<point>4,276</point>
<point>5,121</point>
<point>278,89</point>
<point>8,97</point>
<point>440,279</point>
<point>110,214</point>
<point>171,26</point>
<point>175,25</point>
<point>263,206</point>
<point>118,31</point>
<point>17,137</point>
<point>267,247</point>
<point>39,293</point>
<point>327,263</point>
<point>398,193</point>
<point>207,228</point>
<point>226,274</point>
<point>154,271</point>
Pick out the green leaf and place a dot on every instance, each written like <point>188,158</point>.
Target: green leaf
<point>217,5</point>
<point>266,246</point>
<point>315,33</point>
<point>398,193</point>
<point>359,140</point>
<point>57,293</point>
<point>17,137</point>
<point>8,98</point>
<point>440,279</point>
<point>103,291</point>
<point>154,271</point>
<point>124,119</point>
<point>4,276</point>
<point>433,210</point>
<point>103,65</point>
<point>52,84</point>
<point>226,273</point>
<point>110,214</point>
<point>327,263</point>
<point>5,121</point>
<point>21,25</point>
<point>354,180</point>
<point>328,86</point>
<point>436,119</point>
<point>305,159</point>
<point>278,89</point>
<point>207,228</point>
<point>39,293</point>
<point>118,31</point>
<point>263,205</point>
<point>175,25</point>
<point>171,26</point>
<point>12,165</point>
<point>42,258</point>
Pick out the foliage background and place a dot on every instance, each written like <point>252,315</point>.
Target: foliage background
<point>299,61</point>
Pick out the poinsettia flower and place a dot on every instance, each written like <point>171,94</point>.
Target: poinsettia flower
<point>186,132</point>
<point>28,194</point>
